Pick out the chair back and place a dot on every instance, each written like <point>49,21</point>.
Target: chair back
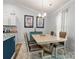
<point>63,34</point>
<point>52,33</point>
<point>26,40</point>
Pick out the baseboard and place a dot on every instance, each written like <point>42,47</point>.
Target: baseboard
<point>13,56</point>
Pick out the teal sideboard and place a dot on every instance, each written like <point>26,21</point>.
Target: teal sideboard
<point>32,33</point>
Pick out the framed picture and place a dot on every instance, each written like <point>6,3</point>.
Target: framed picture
<point>39,22</point>
<point>28,21</point>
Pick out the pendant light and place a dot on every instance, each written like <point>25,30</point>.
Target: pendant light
<point>42,14</point>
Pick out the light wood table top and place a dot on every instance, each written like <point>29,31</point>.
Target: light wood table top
<point>46,39</point>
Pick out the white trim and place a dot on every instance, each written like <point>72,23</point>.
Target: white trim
<point>13,56</point>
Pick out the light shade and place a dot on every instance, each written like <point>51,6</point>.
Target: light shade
<point>39,15</point>
<point>42,15</point>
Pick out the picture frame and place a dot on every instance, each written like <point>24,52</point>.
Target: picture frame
<point>28,21</point>
<point>39,22</point>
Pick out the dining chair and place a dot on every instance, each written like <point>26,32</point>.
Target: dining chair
<point>48,50</point>
<point>52,32</point>
<point>61,45</point>
<point>32,48</point>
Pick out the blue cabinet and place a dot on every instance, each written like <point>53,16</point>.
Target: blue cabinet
<point>8,48</point>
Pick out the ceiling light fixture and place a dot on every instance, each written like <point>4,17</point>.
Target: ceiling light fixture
<point>42,14</point>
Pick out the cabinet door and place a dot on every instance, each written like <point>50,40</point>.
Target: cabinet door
<point>12,20</point>
<point>9,20</point>
<point>8,48</point>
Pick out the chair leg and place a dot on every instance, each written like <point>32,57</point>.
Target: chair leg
<point>64,50</point>
<point>51,57</point>
<point>55,52</point>
<point>42,54</point>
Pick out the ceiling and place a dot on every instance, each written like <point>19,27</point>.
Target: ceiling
<point>42,5</point>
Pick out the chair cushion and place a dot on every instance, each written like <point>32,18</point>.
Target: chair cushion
<point>59,44</point>
<point>46,53</point>
<point>35,48</point>
<point>32,42</point>
<point>48,48</point>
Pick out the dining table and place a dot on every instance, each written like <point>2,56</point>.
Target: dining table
<point>47,39</point>
<point>42,39</point>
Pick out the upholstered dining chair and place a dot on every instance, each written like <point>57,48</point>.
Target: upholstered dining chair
<point>48,50</point>
<point>52,32</point>
<point>32,48</point>
<point>61,45</point>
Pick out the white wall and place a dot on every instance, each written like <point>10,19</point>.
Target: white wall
<point>71,22</point>
<point>71,26</point>
<point>51,22</point>
<point>20,12</point>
